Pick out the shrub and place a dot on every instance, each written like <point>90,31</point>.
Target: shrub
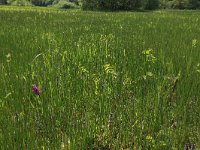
<point>180,4</point>
<point>89,4</point>
<point>65,4</point>
<point>111,4</point>
<point>169,4</point>
<point>42,2</point>
<point>20,3</point>
<point>194,4</point>
<point>175,4</point>
<point>2,2</point>
<point>152,4</point>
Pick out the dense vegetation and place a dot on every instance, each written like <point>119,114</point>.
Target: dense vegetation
<point>108,80</point>
<point>110,4</point>
<point>120,4</point>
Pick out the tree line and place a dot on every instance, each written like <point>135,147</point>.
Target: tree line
<point>139,4</point>
<point>111,4</point>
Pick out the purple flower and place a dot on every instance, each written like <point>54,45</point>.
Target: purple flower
<point>35,89</point>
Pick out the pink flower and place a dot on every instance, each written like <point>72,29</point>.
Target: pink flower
<point>35,89</point>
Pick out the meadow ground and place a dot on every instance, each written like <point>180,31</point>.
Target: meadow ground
<point>123,80</point>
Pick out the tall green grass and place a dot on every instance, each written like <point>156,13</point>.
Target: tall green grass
<point>121,80</point>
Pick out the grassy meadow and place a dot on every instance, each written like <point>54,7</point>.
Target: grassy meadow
<point>108,81</point>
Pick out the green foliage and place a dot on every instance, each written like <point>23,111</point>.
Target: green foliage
<point>3,2</point>
<point>193,4</point>
<point>168,4</point>
<point>152,4</point>
<point>55,3</point>
<point>65,4</point>
<point>174,4</point>
<point>111,4</point>
<point>42,2</point>
<point>120,4</point>
<point>89,4</point>
<point>19,2</point>
<point>180,4</point>
<point>127,80</point>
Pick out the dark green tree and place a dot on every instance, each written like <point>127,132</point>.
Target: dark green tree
<point>111,4</point>
<point>152,4</point>
<point>90,4</point>
<point>194,4</point>
<point>3,2</point>
<point>42,2</point>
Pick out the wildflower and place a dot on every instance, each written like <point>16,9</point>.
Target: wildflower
<point>35,89</point>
